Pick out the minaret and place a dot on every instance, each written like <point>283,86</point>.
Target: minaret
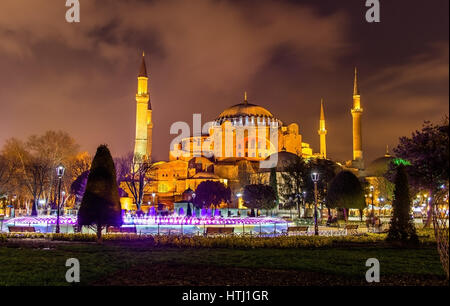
<point>142,113</point>
<point>149,130</point>
<point>322,132</point>
<point>356,115</point>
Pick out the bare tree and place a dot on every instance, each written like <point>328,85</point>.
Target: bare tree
<point>36,171</point>
<point>133,171</point>
<point>34,163</point>
<point>80,164</point>
<point>76,178</point>
<point>55,147</point>
<point>31,172</point>
<point>294,181</point>
<point>385,188</point>
<point>5,174</point>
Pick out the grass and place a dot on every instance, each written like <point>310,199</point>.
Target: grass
<point>43,263</point>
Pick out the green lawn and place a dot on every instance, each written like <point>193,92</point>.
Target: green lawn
<point>25,264</point>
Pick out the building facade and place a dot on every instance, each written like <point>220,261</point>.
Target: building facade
<point>232,150</point>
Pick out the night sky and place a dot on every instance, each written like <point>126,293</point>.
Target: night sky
<point>202,55</point>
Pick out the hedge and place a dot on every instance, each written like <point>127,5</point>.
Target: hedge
<point>241,242</point>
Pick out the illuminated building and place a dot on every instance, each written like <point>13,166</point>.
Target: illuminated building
<point>356,116</point>
<point>243,131</point>
<point>322,132</point>
<point>144,124</point>
<point>231,149</point>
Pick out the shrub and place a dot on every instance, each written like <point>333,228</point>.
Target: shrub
<point>345,192</point>
<point>402,227</point>
<point>101,204</point>
<point>236,242</point>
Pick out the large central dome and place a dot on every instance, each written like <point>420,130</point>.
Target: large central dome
<point>244,109</point>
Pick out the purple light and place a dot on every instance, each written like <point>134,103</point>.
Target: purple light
<point>151,220</point>
<point>164,220</point>
<point>43,220</point>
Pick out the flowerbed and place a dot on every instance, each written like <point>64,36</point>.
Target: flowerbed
<point>240,242</point>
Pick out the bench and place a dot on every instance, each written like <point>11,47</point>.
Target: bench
<point>297,229</point>
<point>351,229</point>
<point>219,231</point>
<point>129,230</point>
<point>21,229</point>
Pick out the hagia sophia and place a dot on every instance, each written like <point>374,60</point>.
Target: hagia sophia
<point>238,140</point>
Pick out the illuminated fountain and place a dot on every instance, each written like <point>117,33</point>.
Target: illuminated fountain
<point>43,220</point>
<point>160,224</point>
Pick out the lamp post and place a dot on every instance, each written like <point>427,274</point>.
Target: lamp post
<point>381,201</point>
<point>315,179</point>
<point>373,210</point>
<point>153,198</point>
<point>239,196</point>
<point>59,173</point>
<point>304,204</point>
<point>290,206</point>
<point>298,204</point>
<point>193,200</point>
<point>63,199</point>
<point>13,201</point>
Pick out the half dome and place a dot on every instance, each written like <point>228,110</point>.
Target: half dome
<point>379,166</point>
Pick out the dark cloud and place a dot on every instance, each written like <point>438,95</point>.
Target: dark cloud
<point>202,55</point>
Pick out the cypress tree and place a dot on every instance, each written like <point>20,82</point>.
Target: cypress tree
<point>101,204</point>
<point>189,210</point>
<point>273,183</point>
<point>402,227</point>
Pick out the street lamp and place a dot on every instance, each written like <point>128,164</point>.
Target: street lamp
<point>315,179</point>
<point>381,201</point>
<point>192,201</point>
<point>13,201</point>
<point>304,204</point>
<point>290,206</point>
<point>373,210</point>
<point>63,194</point>
<point>59,173</point>
<point>239,196</point>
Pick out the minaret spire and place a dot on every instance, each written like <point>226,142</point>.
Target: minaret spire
<point>356,116</point>
<point>355,84</point>
<point>322,132</point>
<point>322,114</point>
<point>143,69</point>
<point>144,125</point>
